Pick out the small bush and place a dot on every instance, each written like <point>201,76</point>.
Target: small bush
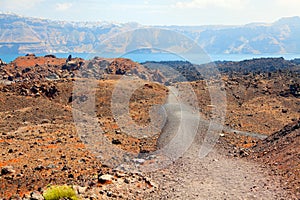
<point>59,192</point>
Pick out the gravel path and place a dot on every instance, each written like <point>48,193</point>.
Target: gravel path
<point>215,176</point>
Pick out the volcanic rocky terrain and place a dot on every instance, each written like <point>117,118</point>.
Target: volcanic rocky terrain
<point>255,157</point>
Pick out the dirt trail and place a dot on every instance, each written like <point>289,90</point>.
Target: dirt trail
<point>215,176</point>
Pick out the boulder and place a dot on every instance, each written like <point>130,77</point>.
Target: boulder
<point>105,179</point>
<point>7,170</point>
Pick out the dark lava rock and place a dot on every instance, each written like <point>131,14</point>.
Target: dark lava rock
<point>39,168</point>
<point>7,170</point>
<point>116,141</point>
<point>50,56</point>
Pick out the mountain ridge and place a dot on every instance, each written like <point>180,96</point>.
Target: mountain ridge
<point>34,35</point>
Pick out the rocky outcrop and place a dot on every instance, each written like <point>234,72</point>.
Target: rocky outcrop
<point>34,68</point>
<point>35,89</point>
<point>103,68</point>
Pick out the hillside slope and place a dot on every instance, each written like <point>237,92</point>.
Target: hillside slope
<point>281,150</point>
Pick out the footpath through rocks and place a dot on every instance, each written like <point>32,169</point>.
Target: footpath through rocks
<point>215,176</point>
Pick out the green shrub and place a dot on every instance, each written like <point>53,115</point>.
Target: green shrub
<point>58,192</point>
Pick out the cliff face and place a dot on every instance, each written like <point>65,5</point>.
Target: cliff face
<point>25,35</point>
<point>32,35</point>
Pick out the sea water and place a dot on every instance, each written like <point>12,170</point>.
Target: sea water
<point>144,57</point>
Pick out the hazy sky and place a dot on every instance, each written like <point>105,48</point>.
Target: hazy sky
<point>157,12</point>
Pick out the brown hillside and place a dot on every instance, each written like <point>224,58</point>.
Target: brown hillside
<point>281,151</point>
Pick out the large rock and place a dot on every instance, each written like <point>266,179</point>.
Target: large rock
<point>7,170</point>
<point>105,179</point>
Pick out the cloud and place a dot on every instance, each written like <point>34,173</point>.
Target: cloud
<point>289,3</point>
<point>13,5</point>
<point>63,6</point>
<point>234,4</point>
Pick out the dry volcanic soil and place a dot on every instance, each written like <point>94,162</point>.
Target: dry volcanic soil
<point>256,156</point>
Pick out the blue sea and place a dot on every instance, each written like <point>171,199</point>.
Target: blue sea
<point>143,57</point>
